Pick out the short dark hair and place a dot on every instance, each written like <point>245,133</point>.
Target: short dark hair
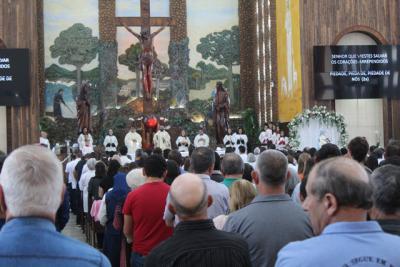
<point>232,163</point>
<point>217,162</point>
<point>247,172</point>
<point>123,150</point>
<point>173,171</point>
<point>166,153</point>
<point>157,151</point>
<point>393,148</point>
<point>242,149</point>
<point>358,147</point>
<point>176,156</point>
<point>333,176</point>
<point>100,169</point>
<point>386,189</point>
<point>327,151</point>
<point>343,151</point>
<point>202,159</point>
<point>272,166</point>
<point>155,166</point>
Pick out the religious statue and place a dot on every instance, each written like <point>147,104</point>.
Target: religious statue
<point>83,107</point>
<point>57,101</point>
<point>147,57</point>
<point>221,105</point>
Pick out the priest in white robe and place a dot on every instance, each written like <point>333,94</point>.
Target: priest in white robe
<point>162,139</point>
<point>110,143</point>
<point>201,140</point>
<point>133,141</point>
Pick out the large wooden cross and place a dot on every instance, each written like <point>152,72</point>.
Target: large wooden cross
<point>144,21</point>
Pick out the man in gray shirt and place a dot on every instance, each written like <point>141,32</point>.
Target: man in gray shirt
<point>202,164</point>
<point>272,219</point>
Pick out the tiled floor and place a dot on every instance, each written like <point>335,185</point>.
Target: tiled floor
<point>72,230</point>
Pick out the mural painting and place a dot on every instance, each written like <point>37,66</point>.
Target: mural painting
<point>74,54</point>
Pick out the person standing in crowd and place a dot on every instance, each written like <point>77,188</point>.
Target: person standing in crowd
<point>108,182</point>
<point>201,140</point>
<point>43,140</point>
<point>123,156</point>
<point>232,168</point>
<point>358,149</point>
<point>183,142</point>
<point>93,194</point>
<point>84,185</point>
<point>266,235</point>
<point>241,193</point>
<point>162,139</point>
<point>143,211</point>
<point>133,141</point>
<point>85,141</point>
<point>110,143</point>
<point>111,217</point>
<point>338,197</point>
<point>216,174</point>
<point>196,242</point>
<point>386,198</point>
<point>31,189</point>
<point>241,140</point>
<point>71,186</point>
<point>229,141</point>
<point>282,141</point>
<point>265,136</point>
<point>392,153</point>
<point>202,164</point>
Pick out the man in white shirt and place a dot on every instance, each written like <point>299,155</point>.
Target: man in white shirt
<point>133,141</point>
<point>69,170</point>
<point>162,139</point>
<point>124,159</point>
<point>110,143</point>
<point>201,140</point>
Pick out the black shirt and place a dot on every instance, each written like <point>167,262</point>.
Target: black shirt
<point>198,243</point>
<point>390,226</point>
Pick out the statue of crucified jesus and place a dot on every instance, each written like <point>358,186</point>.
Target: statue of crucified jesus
<point>147,57</point>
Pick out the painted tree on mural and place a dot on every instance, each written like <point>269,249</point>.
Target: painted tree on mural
<point>131,59</point>
<point>75,46</point>
<point>222,48</point>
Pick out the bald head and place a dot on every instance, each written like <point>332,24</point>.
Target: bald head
<point>346,179</point>
<point>189,196</point>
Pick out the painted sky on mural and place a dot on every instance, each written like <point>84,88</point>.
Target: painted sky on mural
<point>59,15</point>
<point>204,17</point>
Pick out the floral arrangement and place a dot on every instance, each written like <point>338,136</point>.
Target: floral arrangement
<point>324,116</point>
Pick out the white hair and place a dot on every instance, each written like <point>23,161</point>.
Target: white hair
<point>91,164</point>
<point>32,182</point>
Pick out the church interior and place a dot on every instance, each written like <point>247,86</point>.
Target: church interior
<point>312,68</point>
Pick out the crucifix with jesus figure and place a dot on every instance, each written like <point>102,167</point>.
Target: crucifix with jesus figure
<point>146,38</point>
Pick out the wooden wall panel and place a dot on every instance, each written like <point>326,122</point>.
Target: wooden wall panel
<point>19,29</point>
<point>323,21</point>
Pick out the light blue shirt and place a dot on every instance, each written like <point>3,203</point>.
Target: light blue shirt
<point>31,241</point>
<point>344,244</point>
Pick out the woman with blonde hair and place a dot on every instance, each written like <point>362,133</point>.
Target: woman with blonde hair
<point>242,192</point>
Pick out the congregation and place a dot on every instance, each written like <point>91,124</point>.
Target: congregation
<point>272,207</point>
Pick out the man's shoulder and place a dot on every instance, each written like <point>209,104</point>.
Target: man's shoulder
<point>55,247</point>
